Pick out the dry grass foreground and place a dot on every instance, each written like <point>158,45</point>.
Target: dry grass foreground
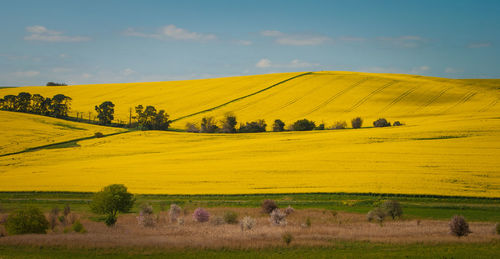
<point>325,229</point>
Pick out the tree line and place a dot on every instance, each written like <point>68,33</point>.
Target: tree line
<point>58,106</point>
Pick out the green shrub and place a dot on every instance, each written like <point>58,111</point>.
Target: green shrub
<point>320,127</point>
<point>303,125</point>
<point>30,220</point>
<point>376,214</point>
<point>231,217</point>
<point>111,200</point>
<point>98,135</point>
<point>357,123</point>
<point>110,220</point>
<point>78,227</point>
<point>287,238</point>
<point>397,123</point>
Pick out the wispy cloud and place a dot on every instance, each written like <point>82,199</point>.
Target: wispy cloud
<point>404,41</point>
<point>420,70</point>
<point>266,63</point>
<point>171,32</point>
<point>29,73</point>
<point>295,39</point>
<point>477,45</point>
<point>351,39</point>
<point>41,33</point>
<point>243,42</point>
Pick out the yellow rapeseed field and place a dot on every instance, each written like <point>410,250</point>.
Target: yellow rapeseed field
<point>450,144</point>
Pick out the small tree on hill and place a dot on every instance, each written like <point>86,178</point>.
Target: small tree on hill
<point>111,200</point>
<point>60,105</point>
<point>381,123</point>
<point>458,226</point>
<point>278,125</point>
<point>229,124</point>
<point>105,112</point>
<point>393,209</point>
<point>357,123</point>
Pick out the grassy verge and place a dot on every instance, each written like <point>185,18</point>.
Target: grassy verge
<point>336,250</point>
<point>429,207</point>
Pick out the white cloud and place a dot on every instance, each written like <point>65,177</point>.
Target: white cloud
<point>479,45</point>
<point>244,42</point>
<point>263,63</point>
<point>266,63</point>
<point>420,70</point>
<point>30,73</point>
<point>172,32</point>
<point>404,41</point>
<point>351,39</point>
<point>296,39</point>
<point>127,72</point>
<point>41,33</point>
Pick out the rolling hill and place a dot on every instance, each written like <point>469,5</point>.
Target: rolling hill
<point>449,145</point>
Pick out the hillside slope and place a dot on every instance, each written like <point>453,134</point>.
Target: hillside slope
<point>321,96</point>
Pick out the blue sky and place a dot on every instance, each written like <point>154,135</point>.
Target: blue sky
<point>113,41</point>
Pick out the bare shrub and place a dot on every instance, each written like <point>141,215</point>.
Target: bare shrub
<point>458,226</point>
<point>67,210</point>
<point>339,125</point>
<point>381,123</point>
<point>146,217</point>
<point>180,221</point>
<point>208,125</point>
<point>247,223</point>
<point>287,238</point>
<point>356,123</point>
<point>278,218</point>
<point>53,217</point>
<point>289,210</point>
<point>229,124</point>
<point>231,217</point>
<point>393,209</point>
<point>376,214</point>
<point>268,206</point>
<point>201,215</point>
<point>191,127</point>
<point>174,212</point>
<point>71,218</point>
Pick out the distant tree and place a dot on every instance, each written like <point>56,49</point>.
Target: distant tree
<point>357,123</point>
<point>278,125</point>
<point>229,124</point>
<point>46,108</point>
<point>23,101</point>
<point>320,127</point>
<point>392,208</point>
<point>302,125</point>
<point>191,127</point>
<point>459,226</point>
<point>252,127</point>
<point>161,121</point>
<point>381,123</point>
<point>208,125</point>
<point>37,103</point>
<point>55,84</point>
<point>111,200</point>
<point>105,112</point>
<point>60,105</point>
<point>397,123</point>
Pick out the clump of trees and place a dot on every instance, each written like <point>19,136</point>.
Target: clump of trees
<point>356,123</point>
<point>105,112</point>
<point>382,122</point>
<point>303,125</point>
<point>55,84</point>
<point>227,125</point>
<point>390,208</point>
<point>150,119</point>
<point>57,106</point>
<point>252,127</point>
<point>111,200</point>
